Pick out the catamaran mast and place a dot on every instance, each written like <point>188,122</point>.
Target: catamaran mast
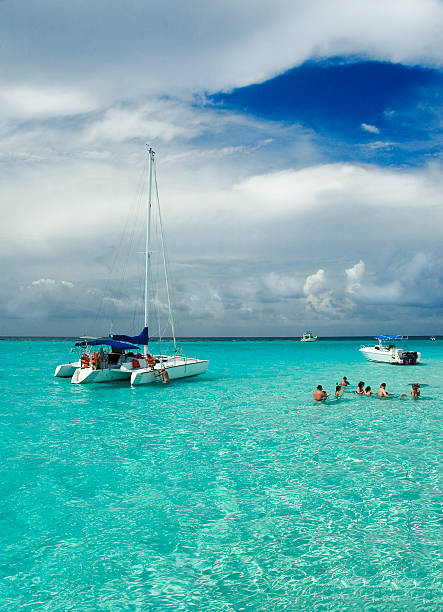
<point>151,154</point>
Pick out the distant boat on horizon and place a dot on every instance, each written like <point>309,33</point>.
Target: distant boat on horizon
<point>308,337</point>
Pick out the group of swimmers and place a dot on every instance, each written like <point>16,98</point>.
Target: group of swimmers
<point>320,395</point>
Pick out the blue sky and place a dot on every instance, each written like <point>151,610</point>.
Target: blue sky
<point>299,160</point>
<point>351,101</point>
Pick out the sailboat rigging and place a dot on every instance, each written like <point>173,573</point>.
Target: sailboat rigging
<point>119,356</point>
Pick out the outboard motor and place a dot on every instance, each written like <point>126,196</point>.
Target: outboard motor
<point>409,357</point>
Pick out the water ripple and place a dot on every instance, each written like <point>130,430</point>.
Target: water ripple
<point>232,492</point>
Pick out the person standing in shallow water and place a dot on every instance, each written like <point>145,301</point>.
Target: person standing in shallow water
<point>415,391</point>
<point>360,390</point>
<point>344,382</point>
<point>368,391</point>
<point>382,391</point>
<point>319,394</point>
<point>339,391</point>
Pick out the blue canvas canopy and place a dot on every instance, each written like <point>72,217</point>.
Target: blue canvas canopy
<point>142,338</point>
<point>106,342</point>
<point>389,337</point>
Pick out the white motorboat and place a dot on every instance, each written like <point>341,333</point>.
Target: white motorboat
<point>385,351</point>
<point>119,357</point>
<point>308,337</point>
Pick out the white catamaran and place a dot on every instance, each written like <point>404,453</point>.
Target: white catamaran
<point>119,356</point>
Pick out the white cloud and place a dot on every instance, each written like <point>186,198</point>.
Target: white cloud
<point>29,101</point>
<point>376,292</point>
<point>198,46</point>
<point>317,293</point>
<point>159,120</point>
<point>416,282</point>
<point>314,283</point>
<point>334,184</point>
<point>323,303</point>
<point>42,298</point>
<point>68,186</point>
<point>48,282</point>
<point>355,276</point>
<point>311,211</point>
<point>65,211</point>
<point>280,285</point>
<point>417,268</point>
<point>319,297</point>
<point>48,298</point>
<point>381,293</point>
<point>370,128</point>
<point>379,144</point>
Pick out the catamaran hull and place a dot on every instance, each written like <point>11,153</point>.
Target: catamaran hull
<point>194,367</point>
<point>66,370</point>
<point>83,376</point>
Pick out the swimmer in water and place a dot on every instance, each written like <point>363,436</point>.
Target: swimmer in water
<point>367,391</point>
<point>344,382</point>
<point>320,395</point>
<point>415,391</point>
<point>360,388</point>
<point>338,391</point>
<point>382,391</point>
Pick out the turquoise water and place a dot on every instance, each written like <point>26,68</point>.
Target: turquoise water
<point>232,491</point>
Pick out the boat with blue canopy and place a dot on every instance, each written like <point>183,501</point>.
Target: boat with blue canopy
<point>114,360</point>
<point>116,344</point>
<point>120,356</point>
<point>386,351</point>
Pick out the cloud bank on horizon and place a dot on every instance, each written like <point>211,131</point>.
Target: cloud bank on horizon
<point>299,152</point>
